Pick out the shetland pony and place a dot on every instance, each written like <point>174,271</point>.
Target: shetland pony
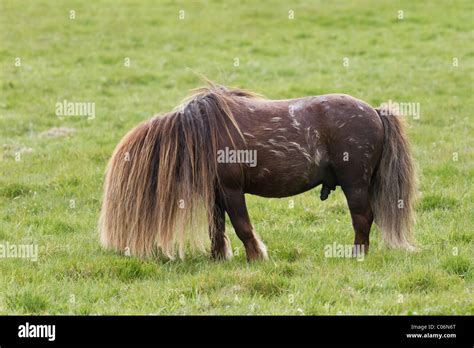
<point>165,177</point>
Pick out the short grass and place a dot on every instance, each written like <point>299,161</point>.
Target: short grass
<point>50,195</point>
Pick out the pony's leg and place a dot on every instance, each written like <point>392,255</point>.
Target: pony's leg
<point>237,210</point>
<point>220,243</point>
<point>362,217</point>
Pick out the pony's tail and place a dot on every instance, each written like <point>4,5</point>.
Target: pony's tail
<point>393,185</point>
<point>162,177</point>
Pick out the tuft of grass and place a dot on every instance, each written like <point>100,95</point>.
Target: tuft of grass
<point>268,287</point>
<point>432,202</point>
<point>134,269</point>
<point>27,302</point>
<point>13,190</point>
<point>420,280</point>
<point>458,265</point>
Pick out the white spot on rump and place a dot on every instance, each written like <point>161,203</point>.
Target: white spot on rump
<point>296,144</point>
<point>291,110</point>
<point>263,172</point>
<point>317,157</point>
<point>295,124</point>
<point>352,141</point>
<point>302,150</point>
<point>249,135</point>
<point>278,153</point>
<point>294,108</point>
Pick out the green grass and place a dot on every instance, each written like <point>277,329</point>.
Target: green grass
<point>407,60</point>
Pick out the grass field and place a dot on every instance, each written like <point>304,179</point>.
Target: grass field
<point>50,186</point>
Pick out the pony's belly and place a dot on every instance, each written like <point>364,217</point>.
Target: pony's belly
<point>275,193</point>
<point>283,183</point>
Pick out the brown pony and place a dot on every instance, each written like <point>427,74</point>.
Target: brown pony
<point>202,158</point>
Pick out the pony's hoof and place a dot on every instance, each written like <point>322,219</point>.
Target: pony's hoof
<point>222,256</point>
<point>256,251</point>
<point>359,251</point>
<point>224,253</point>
